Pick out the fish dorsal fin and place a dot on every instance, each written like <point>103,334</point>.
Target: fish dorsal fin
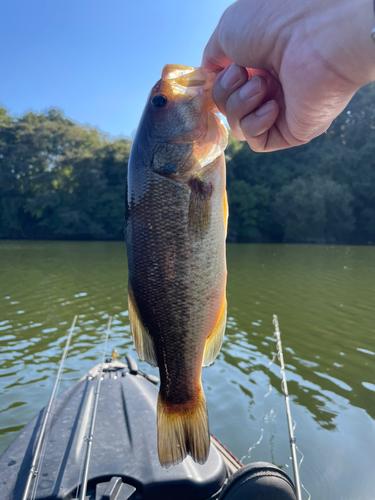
<point>142,339</point>
<point>215,339</point>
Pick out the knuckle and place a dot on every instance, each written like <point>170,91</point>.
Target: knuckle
<point>233,111</point>
<point>219,98</point>
<point>254,146</point>
<point>237,134</point>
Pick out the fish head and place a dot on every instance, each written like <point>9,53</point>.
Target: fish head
<point>183,133</point>
<point>179,102</point>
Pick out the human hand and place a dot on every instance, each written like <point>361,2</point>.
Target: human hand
<point>296,65</point>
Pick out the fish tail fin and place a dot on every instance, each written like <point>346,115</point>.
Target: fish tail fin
<point>183,430</point>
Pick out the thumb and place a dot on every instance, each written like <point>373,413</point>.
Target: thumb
<point>214,57</point>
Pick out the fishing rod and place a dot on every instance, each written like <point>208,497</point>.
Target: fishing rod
<point>89,439</point>
<point>33,473</point>
<point>292,439</point>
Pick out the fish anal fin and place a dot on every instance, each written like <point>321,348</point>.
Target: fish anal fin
<point>183,430</point>
<point>215,339</point>
<point>142,339</point>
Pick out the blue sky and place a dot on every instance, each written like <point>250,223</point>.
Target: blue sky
<point>97,59</point>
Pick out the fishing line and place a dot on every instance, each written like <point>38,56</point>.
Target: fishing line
<point>272,360</point>
<point>299,466</point>
<point>269,391</point>
<point>272,414</point>
<point>253,446</point>
<point>266,418</point>
<point>270,385</point>
<point>294,425</point>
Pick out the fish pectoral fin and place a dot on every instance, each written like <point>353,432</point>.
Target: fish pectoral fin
<point>142,339</point>
<point>203,185</point>
<point>215,339</point>
<point>199,206</point>
<point>183,430</point>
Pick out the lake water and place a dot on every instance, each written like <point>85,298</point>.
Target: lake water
<point>323,296</point>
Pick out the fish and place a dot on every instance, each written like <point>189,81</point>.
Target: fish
<point>175,228</point>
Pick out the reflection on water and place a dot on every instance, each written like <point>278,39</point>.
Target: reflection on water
<point>323,296</point>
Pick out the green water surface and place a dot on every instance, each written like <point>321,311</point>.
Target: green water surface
<point>323,296</point>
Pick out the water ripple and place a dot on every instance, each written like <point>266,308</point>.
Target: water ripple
<point>323,296</point>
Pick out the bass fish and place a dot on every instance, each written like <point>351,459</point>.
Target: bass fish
<point>175,227</point>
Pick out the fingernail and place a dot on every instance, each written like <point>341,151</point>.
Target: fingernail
<point>266,108</point>
<point>231,76</point>
<point>251,88</point>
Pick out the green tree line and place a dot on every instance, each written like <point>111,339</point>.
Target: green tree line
<point>62,180</point>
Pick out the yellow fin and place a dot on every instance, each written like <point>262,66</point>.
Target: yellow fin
<point>225,211</point>
<point>214,341</point>
<point>143,341</point>
<point>183,430</point>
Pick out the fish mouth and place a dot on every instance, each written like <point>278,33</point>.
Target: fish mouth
<point>186,81</point>
<point>210,136</point>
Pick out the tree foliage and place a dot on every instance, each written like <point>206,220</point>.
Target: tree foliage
<point>323,191</point>
<point>61,180</point>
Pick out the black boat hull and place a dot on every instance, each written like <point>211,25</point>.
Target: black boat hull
<point>124,462</point>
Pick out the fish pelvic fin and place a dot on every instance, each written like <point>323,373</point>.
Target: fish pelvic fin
<point>215,339</point>
<point>144,344</point>
<point>183,430</point>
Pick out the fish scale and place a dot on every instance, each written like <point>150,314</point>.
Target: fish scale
<point>175,233</point>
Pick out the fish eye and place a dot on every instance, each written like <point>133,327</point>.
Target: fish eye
<point>159,101</point>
